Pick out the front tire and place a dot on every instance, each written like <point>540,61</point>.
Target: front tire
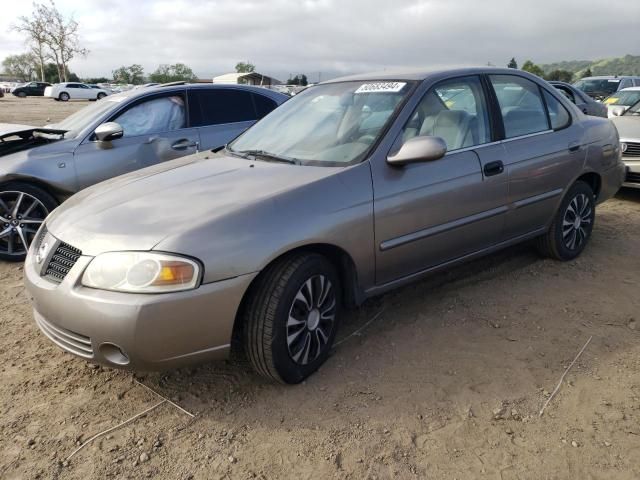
<point>101,96</point>
<point>64,96</point>
<point>291,317</point>
<point>571,228</point>
<point>23,208</point>
<point>22,94</point>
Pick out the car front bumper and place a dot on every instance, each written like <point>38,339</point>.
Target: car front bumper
<point>135,331</point>
<point>633,172</point>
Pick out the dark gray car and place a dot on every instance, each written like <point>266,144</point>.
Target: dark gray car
<point>581,100</point>
<point>41,167</point>
<point>351,188</point>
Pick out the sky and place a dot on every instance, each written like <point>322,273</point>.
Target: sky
<point>328,38</point>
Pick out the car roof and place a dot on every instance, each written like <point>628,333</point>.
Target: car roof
<point>424,74</point>
<point>141,92</point>
<point>629,89</point>
<point>609,77</point>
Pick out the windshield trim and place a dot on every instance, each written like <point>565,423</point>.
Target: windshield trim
<point>413,85</point>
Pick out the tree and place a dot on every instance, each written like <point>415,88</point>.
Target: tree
<point>23,66</point>
<point>586,73</point>
<point>245,67</point>
<point>35,27</point>
<point>531,67</point>
<point>172,73</point>
<point>133,74</point>
<point>560,75</point>
<point>512,63</point>
<point>298,80</point>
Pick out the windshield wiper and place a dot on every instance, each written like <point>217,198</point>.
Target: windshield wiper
<point>267,156</point>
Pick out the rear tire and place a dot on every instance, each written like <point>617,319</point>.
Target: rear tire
<point>291,317</point>
<point>64,96</point>
<point>571,228</point>
<point>23,208</point>
<point>101,96</point>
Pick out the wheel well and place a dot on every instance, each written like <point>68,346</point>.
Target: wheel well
<point>594,181</point>
<point>37,183</point>
<point>340,259</point>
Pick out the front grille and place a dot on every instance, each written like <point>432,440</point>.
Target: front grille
<point>66,339</point>
<point>633,177</point>
<point>63,259</point>
<point>633,150</point>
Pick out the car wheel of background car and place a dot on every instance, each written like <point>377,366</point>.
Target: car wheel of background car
<point>22,94</point>
<point>291,317</point>
<point>64,96</point>
<point>23,208</point>
<point>101,96</point>
<point>572,225</point>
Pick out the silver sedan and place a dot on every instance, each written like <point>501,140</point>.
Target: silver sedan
<point>351,188</point>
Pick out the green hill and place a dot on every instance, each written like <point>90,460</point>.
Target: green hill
<point>627,65</point>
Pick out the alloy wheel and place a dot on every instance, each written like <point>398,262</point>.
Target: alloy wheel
<point>21,215</point>
<point>311,320</point>
<point>576,222</point>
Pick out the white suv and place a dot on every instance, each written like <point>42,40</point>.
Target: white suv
<point>74,91</point>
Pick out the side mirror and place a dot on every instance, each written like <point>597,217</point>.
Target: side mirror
<point>419,149</point>
<point>617,111</point>
<point>109,131</point>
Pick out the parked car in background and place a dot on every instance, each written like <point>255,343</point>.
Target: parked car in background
<point>41,167</point>
<point>349,189</point>
<point>74,91</point>
<point>618,102</point>
<point>581,100</point>
<point>601,87</point>
<point>31,89</point>
<point>628,125</point>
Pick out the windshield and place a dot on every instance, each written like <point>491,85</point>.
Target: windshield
<point>634,109</point>
<point>601,86</point>
<point>333,124</point>
<point>79,120</point>
<point>628,97</point>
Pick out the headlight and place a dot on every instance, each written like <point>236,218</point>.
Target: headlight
<point>141,272</point>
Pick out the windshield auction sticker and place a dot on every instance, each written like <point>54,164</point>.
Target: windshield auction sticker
<point>380,87</point>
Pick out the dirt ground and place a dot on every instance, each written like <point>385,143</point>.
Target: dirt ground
<point>446,383</point>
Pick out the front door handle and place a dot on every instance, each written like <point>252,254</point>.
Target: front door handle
<point>493,168</point>
<point>183,144</point>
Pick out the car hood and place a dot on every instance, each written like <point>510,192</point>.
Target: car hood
<point>7,129</point>
<point>137,211</point>
<point>628,126</point>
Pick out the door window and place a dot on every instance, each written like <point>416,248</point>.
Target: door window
<point>156,115</point>
<point>454,110</point>
<point>263,104</point>
<point>215,106</point>
<point>521,105</point>
<point>558,115</point>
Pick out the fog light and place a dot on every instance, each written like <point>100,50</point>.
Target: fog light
<point>113,353</point>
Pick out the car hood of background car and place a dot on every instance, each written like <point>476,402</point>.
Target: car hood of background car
<point>628,126</point>
<point>138,210</point>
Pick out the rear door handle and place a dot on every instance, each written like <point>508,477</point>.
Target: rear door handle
<point>493,168</point>
<point>183,144</point>
<point>574,147</point>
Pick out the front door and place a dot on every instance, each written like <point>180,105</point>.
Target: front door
<point>155,130</point>
<point>427,214</point>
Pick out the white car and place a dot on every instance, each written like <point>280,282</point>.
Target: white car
<point>619,102</point>
<point>74,91</point>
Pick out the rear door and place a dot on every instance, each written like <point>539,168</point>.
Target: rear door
<point>221,114</point>
<point>155,128</point>
<point>429,213</point>
<point>543,150</point>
